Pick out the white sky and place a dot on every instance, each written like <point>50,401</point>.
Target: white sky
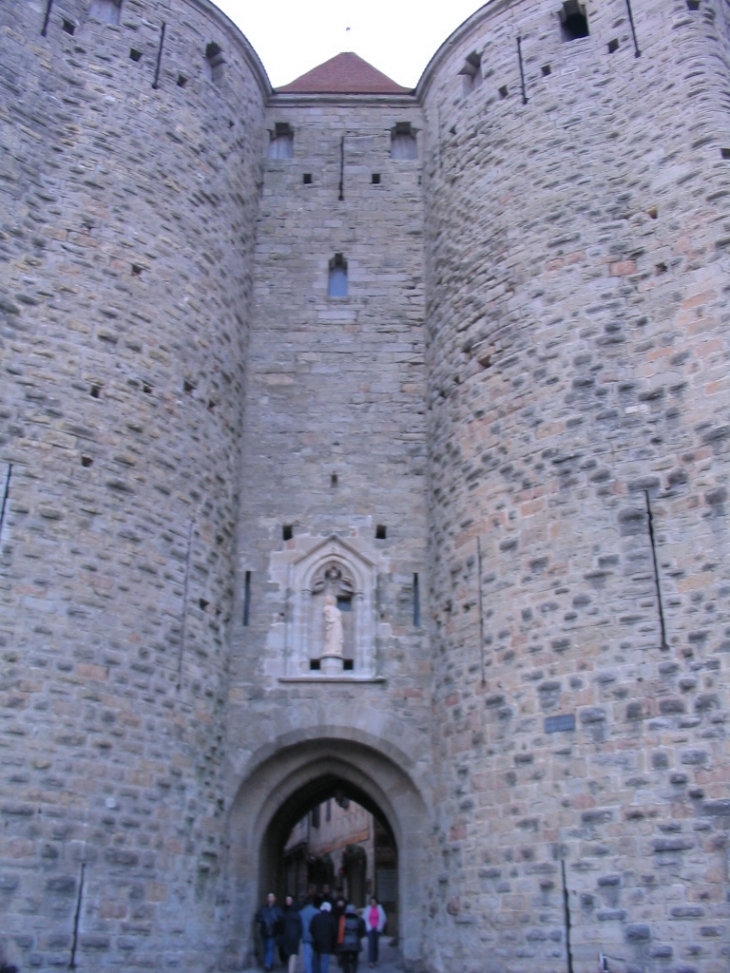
<point>396,36</point>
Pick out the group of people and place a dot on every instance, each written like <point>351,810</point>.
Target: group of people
<point>323,928</point>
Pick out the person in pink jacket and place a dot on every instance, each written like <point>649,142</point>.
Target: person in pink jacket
<point>374,916</point>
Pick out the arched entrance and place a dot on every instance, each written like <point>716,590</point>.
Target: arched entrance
<point>340,840</point>
<point>300,772</point>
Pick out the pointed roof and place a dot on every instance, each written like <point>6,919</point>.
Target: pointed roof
<point>344,74</point>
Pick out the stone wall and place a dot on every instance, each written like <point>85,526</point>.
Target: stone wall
<point>126,231</point>
<point>334,436</point>
<point>578,404</point>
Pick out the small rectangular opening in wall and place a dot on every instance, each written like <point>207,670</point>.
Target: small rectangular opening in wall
<point>381,532</point>
<point>573,21</point>
<point>214,62</point>
<point>281,144</point>
<point>546,70</point>
<point>181,80</point>
<point>246,598</point>
<point>106,11</point>
<point>315,816</point>
<point>348,665</point>
<point>287,532</point>
<point>95,391</point>
<point>86,461</point>
<point>472,71</point>
<point>725,153</point>
<point>375,179</point>
<point>333,480</point>
<point>416,602</point>
<point>693,4</point>
<point>337,281</point>
<point>503,91</point>
<point>613,46</point>
<point>307,178</point>
<point>403,143</point>
<point>314,665</point>
<point>134,54</point>
<point>69,27</point>
<point>344,603</point>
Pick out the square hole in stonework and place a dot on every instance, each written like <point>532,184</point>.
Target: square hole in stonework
<point>503,91</point>
<point>573,21</point>
<point>314,665</point>
<point>136,270</point>
<point>135,54</point>
<point>86,461</point>
<point>375,179</point>
<point>69,27</point>
<point>287,532</point>
<point>546,70</point>
<point>725,153</point>
<point>348,665</point>
<point>95,390</point>
<point>612,46</point>
<point>181,80</point>
<point>381,532</point>
<point>307,178</point>
<point>333,480</point>
<point>693,4</point>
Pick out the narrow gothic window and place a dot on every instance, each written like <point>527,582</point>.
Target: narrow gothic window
<point>403,142</point>
<point>281,145</point>
<point>106,11</point>
<point>337,286</point>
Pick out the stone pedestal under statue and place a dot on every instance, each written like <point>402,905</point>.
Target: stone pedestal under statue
<point>331,664</point>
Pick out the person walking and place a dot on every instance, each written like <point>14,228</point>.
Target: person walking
<point>290,935</point>
<point>375,920</point>
<point>323,930</point>
<point>307,913</point>
<point>351,932</point>
<point>269,919</point>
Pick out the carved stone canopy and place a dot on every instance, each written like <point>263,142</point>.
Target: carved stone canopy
<point>334,579</point>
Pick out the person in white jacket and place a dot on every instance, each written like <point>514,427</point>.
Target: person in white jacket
<point>374,916</point>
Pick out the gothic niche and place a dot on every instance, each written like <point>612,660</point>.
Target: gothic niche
<point>332,631</point>
<point>331,621</point>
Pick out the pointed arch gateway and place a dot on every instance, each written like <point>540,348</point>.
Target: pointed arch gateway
<point>287,778</point>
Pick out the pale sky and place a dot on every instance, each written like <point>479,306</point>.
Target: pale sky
<point>396,36</point>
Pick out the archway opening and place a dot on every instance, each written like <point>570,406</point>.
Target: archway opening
<point>332,839</point>
<point>294,774</point>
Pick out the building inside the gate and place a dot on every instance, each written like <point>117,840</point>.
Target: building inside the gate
<point>366,445</point>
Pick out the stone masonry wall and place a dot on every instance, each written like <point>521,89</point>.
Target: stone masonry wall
<point>336,388</point>
<point>577,274</point>
<point>126,228</point>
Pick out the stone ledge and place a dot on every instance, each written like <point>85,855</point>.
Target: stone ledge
<point>331,679</point>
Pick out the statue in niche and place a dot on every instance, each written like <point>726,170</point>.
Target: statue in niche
<point>333,634</point>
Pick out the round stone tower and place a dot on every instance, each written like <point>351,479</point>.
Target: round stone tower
<point>576,186</point>
<point>132,142</point>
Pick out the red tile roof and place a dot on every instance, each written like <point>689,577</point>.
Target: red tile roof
<point>345,74</point>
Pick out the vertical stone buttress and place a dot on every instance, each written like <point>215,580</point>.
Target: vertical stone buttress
<point>577,267</point>
<point>125,241</point>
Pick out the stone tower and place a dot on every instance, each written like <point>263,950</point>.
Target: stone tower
<point>365,441</point>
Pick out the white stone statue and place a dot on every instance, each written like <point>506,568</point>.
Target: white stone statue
<point>333,635</point>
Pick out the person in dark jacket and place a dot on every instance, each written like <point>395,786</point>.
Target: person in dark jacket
<point>323,930</point>
<point>352,930</point>
<point>290,935</point>
<point>269,919</point>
